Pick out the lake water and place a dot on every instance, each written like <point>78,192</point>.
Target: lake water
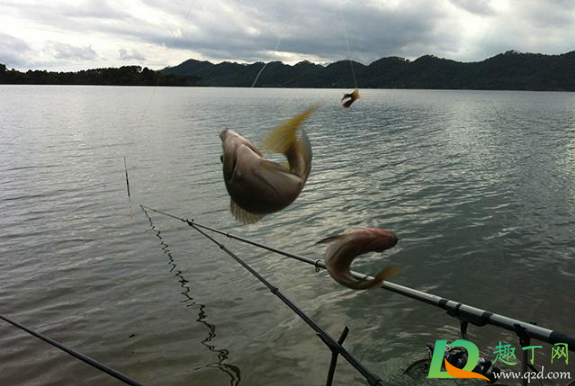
<point>478,185</point>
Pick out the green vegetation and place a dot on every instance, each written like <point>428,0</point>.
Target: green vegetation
<point>123,76</point>
<point>509,71</point>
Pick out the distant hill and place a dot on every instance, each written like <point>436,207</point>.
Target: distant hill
<point>508,71</point>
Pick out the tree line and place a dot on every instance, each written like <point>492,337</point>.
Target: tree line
<point>122,76</point>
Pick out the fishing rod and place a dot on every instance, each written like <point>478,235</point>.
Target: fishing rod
<point>102,367</point>
<point>335,346</point>
<point>466,314</point>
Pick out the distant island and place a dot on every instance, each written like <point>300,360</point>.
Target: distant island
<point>511,70</point>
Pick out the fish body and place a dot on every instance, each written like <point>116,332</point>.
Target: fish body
<point>257,186</point>
<point>353,96</point>
<point>343,249</point>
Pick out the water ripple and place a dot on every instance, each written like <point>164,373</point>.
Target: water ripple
<point>478,185</point>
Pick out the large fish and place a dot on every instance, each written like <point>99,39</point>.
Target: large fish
<point>257,186</point>
<point>343,249</point>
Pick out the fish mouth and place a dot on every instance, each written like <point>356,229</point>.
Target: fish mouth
<point>393,240</point>
<point>224,134</point>
<point>386,239</point>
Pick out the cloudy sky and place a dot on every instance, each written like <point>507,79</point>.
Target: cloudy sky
<point>69,35</point>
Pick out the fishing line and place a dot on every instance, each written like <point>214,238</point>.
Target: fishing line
<point>170,51</point>
<point>147,105</point>
<point>280,38</point>
<point>127,180</point>
<point>348,49</point>
<point>265,64</point>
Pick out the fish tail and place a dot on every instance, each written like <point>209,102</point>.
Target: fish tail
<point>283,136</point>
<point>243,215</point>
<point>386,273</point>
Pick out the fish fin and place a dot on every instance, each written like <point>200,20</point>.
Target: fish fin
<point>329,239</point>
<point>386,273</point>
<point>282,137</point>
<point>243,215</point>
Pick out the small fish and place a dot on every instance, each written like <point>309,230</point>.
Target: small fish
<point>257,186</point>
<point>343,249</point>
<point>354,95</point>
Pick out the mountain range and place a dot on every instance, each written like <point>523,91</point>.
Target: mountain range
<point>511,70</point>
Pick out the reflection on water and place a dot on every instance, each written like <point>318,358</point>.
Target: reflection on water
<point>232,371</point>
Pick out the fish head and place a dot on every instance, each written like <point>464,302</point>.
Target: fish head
<point>224,134</point>
<point>230,140</point>
<point>231,143</point>
<point>384,239</point>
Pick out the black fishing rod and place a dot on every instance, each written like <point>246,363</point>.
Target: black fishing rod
<point>335,346</point>
<point>464,313</point>
<point>102,367</point>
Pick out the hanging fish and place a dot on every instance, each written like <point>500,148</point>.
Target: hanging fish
<point>354,95</point>
<point>257,186</point>
<point>343,249</point>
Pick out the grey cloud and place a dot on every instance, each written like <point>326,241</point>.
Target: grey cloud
<point>13,51</point>
<point>552,14</point>
<point>68,51</point>
<point>83,17</point>
<point>317,29</point>
<point>249,30</point>
<point>537,26</point>
<point>131,55</point>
